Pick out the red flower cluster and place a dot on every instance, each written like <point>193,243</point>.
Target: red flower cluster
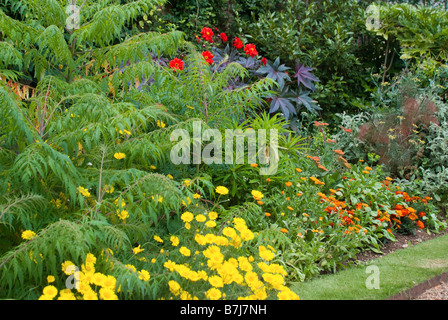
<point>208,56</point>
<point>176,64</point>
<point>250,50</point>
<point>223,37</point>
<point>264,61</point>
<point>237,43</point>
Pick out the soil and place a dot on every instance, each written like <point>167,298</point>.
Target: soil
<point>433,289</point>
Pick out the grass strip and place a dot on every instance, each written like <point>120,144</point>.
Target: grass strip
<point>381,278</point>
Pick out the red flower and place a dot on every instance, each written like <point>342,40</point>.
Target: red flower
<point>264,61</point>
<point>208,56</point>
<point>223,37</point>
<point>207,34</point>
<point>250,50</point>
<point>176,64</point>
<point>346,130</point>
<point>197,37</point>
<point>237,43</point>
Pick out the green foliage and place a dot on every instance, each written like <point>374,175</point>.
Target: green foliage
<point>315,34</point>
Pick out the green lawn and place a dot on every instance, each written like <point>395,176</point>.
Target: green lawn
<point>397,271</point>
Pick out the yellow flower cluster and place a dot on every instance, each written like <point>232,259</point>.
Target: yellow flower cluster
<point>84,191</point>
<point>89,284</point>
<point>257,195</point>
<point>225,274</point>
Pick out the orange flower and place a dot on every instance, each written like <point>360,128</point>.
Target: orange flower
<point>389,178</point>
<point>290,208</point>
<point>288,198</point>
<point>254,165</point>
<point>298,170</point>
<point>420,224</point>
<point>284,230</point>
<point>320,194</point>
<point>368,168</point>
<point>299,194</point>
<point>267,214</point>
<point>422,214</point>
<point>365,171</point>
<point>268,180</point>
<point>288,184</point>
<point>339,152</point>
<point>260,202</point>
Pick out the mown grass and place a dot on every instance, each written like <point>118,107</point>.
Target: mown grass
<point>398,271</point>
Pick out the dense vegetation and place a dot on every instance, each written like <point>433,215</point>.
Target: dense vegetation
<point>89,112</point>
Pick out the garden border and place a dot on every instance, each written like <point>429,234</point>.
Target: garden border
<point>415,292</point>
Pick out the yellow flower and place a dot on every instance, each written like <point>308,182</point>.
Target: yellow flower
<point>185,251</point>
<point>212,215</point>
<point>90,295</point>
<point>170,176</point>
<point>196,196</point>
<point>109,282</point>
<point>144,275</point>
<point>174,241</point>
<point>265,253</point>
<point>152,167</point>
<point>257,195</point>
<point>84,191</point>
<point>161,124</point>
<point>137,250</point>
<point>174,287</point>
<point>65,265</point>
<point>50,291</point>
<point>222,190</point>
<point>28,234</point>
<point>187,216</point>
<point>187,183</point>
<point>158,239</point>
<point>122,214</point>
<point>210,224</point>
<point>213,294</point>
<point>200,218</point>
<point>51,279</point>
<point>107,294</point>
<point>119,155</point>
<point>216,281</point>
